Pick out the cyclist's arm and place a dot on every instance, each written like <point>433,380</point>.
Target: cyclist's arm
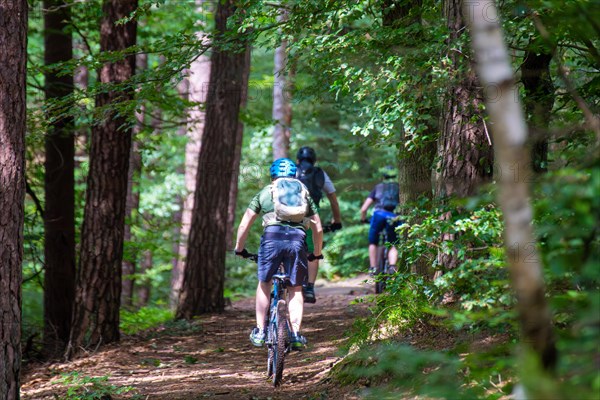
<point>335,207</point>
<point>363,210</point>
<point>317,231</point>
<point>244,228</point>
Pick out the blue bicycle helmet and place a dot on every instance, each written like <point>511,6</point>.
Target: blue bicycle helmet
<point>283,168</point>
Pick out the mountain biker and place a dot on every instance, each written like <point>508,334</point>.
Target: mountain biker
<point>282,242</point>
<point>318,182</point>
<point>385,197</point>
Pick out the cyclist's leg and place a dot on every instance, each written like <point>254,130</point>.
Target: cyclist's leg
<point>297,266</point>
<point>313,269</point>
<point>392,238</point>
<point>377,224</point>
<point>270,256</point>
<point>263,297</point>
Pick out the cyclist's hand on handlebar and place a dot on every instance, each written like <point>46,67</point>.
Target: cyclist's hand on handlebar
<point>335,226</point>
<point>244,253</point>
<point>312,257</point>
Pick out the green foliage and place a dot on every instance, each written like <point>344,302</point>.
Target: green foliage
<point>394,370</point>
<point>91,388</point>
<point>146,317</point>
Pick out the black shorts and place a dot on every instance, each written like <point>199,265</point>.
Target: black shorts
<point>283,244</point>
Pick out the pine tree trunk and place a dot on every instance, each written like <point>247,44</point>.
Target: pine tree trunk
<point>510,137</point>
<point>133,199</point>
<point>414,166</point>
<point>203,284</point>
<point>282,102</point>
<point>199,77</point>
<point>13,42</point>
<point>233,191</point>
<point>539,101</point>
<point>143,290</point>
<point>98,292</point>
<point>464,149</point>
<point>59,184</point>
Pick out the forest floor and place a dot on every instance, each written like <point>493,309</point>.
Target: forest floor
<point>213,358</point>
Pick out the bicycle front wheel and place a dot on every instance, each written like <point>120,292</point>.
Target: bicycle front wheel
<point>280,342</point>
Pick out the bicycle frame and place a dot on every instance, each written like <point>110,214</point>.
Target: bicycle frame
<point>278,328</point>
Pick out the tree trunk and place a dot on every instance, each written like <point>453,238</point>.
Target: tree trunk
<point>464,148</point>
<point>143,290</point>
<point>199,76</point>
<point>539,101</point>
<point>282,101</point>
<point>133,199</point>
<point>414,166</point>
<point>233,191</point>
<point>510,137</point>
<point>13,42</point>
<point>96,313</point>
<point>183,89</point>
<point>202,289</point>
<point>59,183</point>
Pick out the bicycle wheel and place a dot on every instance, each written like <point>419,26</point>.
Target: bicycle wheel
<point>381,269</point>
<point>279,345</point>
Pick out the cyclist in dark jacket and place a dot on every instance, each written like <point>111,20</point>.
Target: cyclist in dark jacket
<point>281,242</point>
<point>385,197</point>
<point>318,182</point>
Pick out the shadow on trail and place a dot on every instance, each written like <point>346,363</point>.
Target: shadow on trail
<point>218,361</point>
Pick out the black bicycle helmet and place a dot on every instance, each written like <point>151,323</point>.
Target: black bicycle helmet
<point>306,153</point>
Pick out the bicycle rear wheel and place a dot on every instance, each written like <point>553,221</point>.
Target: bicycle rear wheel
<point>381,269</point>
<point>280,342</point>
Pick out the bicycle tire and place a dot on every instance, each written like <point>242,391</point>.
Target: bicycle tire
<point>270,352</point>
<point>280,343</point>
<point>380,271</point>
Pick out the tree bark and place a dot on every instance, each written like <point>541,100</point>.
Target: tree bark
<point>510,136</point>
<point>464,148</point>
<point>202,289</point>
<point>59,184</point>
<point>13,59</point>
<point>233,191</point>
<point>282,102</point>
<point>132,203</point>
<point>143,290</point>
<point>539,101</point>
<point>96,313</point>
<point>414,166</point>
<point>198,81</point>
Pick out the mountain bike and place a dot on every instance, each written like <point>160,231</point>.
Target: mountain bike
<point>277,325</point>
<point>382,266</point>
<point>382,269</point>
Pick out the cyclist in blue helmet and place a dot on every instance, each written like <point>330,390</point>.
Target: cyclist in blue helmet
<point>283,241</point>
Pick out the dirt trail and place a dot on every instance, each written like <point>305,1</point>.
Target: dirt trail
<point>218,361</point>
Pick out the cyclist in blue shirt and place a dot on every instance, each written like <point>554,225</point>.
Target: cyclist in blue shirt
<point>385,197</point>
<point>281,242</point>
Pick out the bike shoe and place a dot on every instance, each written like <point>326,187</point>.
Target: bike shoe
<point>257,337</point>
<point>298,341</point>
<point>372,271</point>
<point>308,291</point>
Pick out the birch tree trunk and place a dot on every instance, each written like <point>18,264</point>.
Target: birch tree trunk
<point>282,106</point>
<point>510,137</point>
<point>13,61</point>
